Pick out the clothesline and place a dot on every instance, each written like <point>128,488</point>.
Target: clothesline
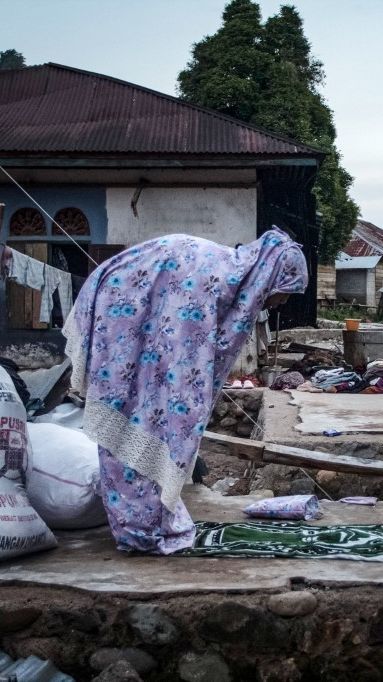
<point>47,214</point>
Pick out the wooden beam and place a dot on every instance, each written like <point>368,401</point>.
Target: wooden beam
<point>243,448</point>
<point>262,453</point>
<point>282,454</point>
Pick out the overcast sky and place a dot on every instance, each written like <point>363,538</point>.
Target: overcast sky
<point>148,42</point>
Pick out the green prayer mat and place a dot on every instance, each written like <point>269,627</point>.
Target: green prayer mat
<point>287,539</point>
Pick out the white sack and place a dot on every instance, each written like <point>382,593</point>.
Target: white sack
<point>21,529</point>
<point>65,479</point>
<point>66,414</point>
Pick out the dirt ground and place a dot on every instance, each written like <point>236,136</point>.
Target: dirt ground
<point>221,465</point>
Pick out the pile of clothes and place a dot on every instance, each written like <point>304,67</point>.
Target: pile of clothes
<point>374,377</point>
<point>338,380</point>
<point>335,380</point>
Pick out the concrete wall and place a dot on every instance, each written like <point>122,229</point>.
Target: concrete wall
<point>223,214</point>
<point>351,284</point>
<point>90,199</point>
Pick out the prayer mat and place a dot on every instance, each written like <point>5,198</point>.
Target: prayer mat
<point>286,539</point>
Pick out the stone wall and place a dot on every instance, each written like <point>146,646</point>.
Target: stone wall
<point>308,634</point>
<point>236,418</point>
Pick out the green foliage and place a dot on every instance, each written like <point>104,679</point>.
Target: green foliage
<point>350,312</point>
<point>265,74</point>
<point>11,59</point>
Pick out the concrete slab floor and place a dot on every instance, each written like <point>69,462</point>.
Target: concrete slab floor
<point>278,419</point>
<point>88,560</point>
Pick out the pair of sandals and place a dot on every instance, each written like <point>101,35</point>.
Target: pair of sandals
<point>241,384</point>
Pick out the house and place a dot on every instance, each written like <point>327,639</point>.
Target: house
<point>357,274</point>
<point>116,163</point>
<point>359,271</point>
<point>359,279</point>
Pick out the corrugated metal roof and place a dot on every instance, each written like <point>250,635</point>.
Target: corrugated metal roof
<point>31,669</point>
<point>53,108</point>
<point>366,240</point>
<point>346,262</point>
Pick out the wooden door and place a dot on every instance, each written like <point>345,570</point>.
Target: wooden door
<point>101,253</point>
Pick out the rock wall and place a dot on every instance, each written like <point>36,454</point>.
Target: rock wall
<point>308,634</point>
<point>236,418</point>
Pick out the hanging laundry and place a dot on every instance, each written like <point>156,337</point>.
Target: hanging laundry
<point>65,293</point>
<point>56,279</point>
<point>26,271</point>
<point>32,273</point>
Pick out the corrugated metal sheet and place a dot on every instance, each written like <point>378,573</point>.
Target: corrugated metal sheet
<point>366,240</point>
<point>31,669</point>
<point>53,108</point>
<point>346,262</point>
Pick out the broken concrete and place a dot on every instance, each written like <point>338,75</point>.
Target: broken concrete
<point>96,611</point>
<point>277,420</point>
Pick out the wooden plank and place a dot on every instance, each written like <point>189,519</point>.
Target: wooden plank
<point>326,282</point>
<point>16,297</point>
<point>270,453</point>
<point>282,454</point>
<point>243,448</point>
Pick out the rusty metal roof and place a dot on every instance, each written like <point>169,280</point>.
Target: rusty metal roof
<point>54,108</point>
<point>366,240</point>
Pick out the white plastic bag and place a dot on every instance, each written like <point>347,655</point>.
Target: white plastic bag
<point>21,529</point>
<point>65,480</point>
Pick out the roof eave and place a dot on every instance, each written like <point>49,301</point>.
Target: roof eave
<point>162,160</point>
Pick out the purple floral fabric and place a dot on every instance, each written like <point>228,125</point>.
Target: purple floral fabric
<point>160,326</point>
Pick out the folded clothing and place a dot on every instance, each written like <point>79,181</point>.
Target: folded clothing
<point>374,370</point>
<point>288,380</point>
<point>343,381</point>
<point>369,501</point>
<point>289,507</point>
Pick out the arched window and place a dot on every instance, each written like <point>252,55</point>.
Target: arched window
<point>27,222</point>
<point>73,221</point>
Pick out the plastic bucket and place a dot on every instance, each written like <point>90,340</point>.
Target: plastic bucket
<point>352,325</point>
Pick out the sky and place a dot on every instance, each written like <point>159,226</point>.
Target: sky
<point>148,42</point>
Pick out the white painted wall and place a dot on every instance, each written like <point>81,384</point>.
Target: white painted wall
<point>222,214</point>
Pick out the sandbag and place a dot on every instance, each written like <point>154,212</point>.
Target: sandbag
<point>21,529</point>
<point>64,484</point>
<point>67,414</point>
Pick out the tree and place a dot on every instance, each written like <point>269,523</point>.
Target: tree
<point>265,74</point>
<point>11,59</point>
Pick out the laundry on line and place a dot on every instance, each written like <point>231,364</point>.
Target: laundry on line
<point>34,274</point>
